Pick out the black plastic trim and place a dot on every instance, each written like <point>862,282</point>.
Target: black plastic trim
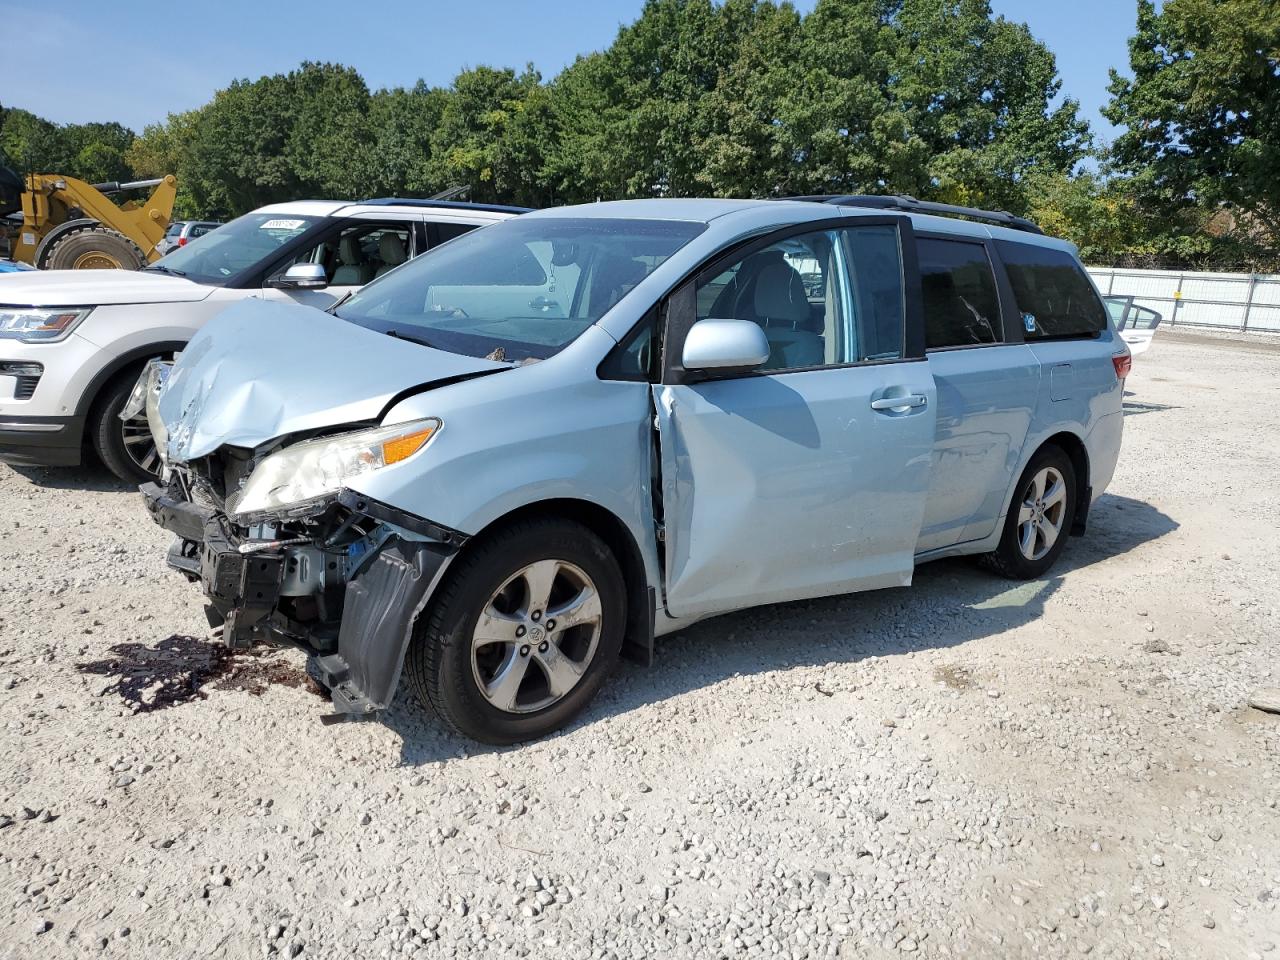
<point>379,610</point>
<point>911,205</point>
<point>377,510</point>
<point>41,448</point>
<point>182,517</point>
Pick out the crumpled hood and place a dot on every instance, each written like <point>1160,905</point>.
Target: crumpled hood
<point>262,370</point>
<point>94,288</point>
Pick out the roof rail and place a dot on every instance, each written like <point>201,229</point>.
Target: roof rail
<point>445,204</point>
<point>912,205</point>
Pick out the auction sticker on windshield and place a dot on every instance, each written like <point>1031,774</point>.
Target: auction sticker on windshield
<point>283,225</point>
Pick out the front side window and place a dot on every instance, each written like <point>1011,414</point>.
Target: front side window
<point>235,247</point>
<point>1053,294</point>
<point>826,298</point>
<point>357,254</point>
<point>961,308</point>
<point>521,289</point>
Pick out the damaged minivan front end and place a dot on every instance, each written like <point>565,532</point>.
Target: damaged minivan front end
<point>283,549</point>
<point>339,575</point>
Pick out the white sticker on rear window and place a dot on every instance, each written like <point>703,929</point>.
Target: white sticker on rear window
<point>282,225</point>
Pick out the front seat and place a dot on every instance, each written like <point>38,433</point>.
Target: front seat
<point>353,270</point>
<point>391,250</point>
<point>781,306</point>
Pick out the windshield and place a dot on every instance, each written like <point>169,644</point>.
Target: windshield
<point>518,290</point>
<point>220,254</point>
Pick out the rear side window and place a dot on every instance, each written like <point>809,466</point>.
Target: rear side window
<point>961,308</point>
<point>1053,295</point>
<point>444,232</point>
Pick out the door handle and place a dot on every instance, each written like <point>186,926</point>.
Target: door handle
<point>900,403</point>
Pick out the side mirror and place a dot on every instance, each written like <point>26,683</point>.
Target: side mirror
<point>724,346</point>
<point>302,276</point>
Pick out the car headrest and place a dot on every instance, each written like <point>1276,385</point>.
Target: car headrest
<point>349,251</point>
<point>391,249</point>
<point>779,294</point>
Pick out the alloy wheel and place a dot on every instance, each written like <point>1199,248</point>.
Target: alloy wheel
<point>1042,512</point>
<point>139,444</point>
<point>536,636</point>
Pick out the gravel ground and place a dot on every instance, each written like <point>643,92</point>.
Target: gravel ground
<point>969,767</point>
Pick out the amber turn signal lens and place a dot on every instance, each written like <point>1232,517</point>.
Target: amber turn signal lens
<point>401,448</point>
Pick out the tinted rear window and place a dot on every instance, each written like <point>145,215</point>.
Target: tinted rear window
<point>1052,292</point>
<point>961,308</point>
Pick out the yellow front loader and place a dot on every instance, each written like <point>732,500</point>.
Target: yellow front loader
<point>68,224</point>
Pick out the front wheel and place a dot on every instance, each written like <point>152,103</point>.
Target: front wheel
<point>522,633</point>
<point>126,447</point>
<point>1040,517</point>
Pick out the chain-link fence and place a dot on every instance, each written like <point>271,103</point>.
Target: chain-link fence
<point>1228,301</point>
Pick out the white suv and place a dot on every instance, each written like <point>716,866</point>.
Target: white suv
<point>72,342</point>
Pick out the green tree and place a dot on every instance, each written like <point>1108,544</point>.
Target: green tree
<point>33,144</point>
<point>979,92</point>
<point>1202,110</point>
<point>492,134</point>
<point>643,114</point>
<point>403,122</point>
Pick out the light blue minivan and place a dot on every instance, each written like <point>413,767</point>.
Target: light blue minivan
<point>529,452</point>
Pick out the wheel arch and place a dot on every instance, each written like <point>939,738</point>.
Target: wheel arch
<point>57,233</point>
<point>637,643</point>
<point>131,358</point>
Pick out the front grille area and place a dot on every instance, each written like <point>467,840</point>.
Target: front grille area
<point>27,373</point>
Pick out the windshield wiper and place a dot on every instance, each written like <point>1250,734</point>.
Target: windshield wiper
<point>160,268</point>
<point>411,338</point>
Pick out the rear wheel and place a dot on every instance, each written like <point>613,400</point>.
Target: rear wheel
<point>522,633</point>
<point>93,248</point>
<point>126,447</point>
<point>1040,517</point>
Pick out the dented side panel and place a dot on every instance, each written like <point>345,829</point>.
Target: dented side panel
<point>791,486</point>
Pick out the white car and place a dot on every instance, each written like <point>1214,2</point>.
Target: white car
<point>1136,325</point>
<point>182,232</point>
<point>72,342</point>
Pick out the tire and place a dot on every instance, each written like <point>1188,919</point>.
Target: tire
<point>1023,557</point>
<point>461,680</point>
<point>125,448</point>
<point>93,248</point>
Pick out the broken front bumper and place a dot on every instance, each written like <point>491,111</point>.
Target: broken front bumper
<point>359,638</point>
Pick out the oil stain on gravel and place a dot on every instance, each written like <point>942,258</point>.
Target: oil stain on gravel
<point>181,668</point>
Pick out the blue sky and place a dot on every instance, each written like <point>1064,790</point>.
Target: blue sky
<point>82,61</point>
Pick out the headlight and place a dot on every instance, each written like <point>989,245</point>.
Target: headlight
<point>315,469</point>
<point>39,325</point>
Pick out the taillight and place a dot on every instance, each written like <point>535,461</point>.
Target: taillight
<point>1123,362</point>
<point>182,241</point>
